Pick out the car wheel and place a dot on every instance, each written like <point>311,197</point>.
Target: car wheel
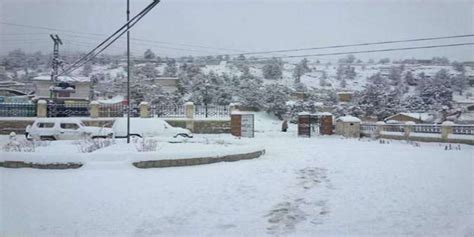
<point>47,138</point>
<point>183,135</point>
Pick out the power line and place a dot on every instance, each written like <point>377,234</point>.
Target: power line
<point>371,51</point>
<point>358,44</point>
<point>80,33</point>
<point>120,32</point>
<point>154,45</point>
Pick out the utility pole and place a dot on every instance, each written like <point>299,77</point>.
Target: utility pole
<point>56,61</point>
<point>128,72</point>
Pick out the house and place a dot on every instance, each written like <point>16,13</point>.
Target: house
<point>168,84</point>
<point>66,87</point>
<point>348,126</point>
<point>345,96</point>
<point>413,117</point>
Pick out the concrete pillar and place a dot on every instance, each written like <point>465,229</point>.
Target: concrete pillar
<point>189,110</point>
<point>446,129</point>
<point>407,129</point>
<point>94,109</point>
<point>379,128</point>
<point>233,107</point>
<point>42,109</point>
<point>144,108</point>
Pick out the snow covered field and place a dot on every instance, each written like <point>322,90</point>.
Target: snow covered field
<point>301,186</point>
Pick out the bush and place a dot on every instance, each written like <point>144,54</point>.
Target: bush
<point>23,145</point>
<point>145,144</point>
<point>88,145</point>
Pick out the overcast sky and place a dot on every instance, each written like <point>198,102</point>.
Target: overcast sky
<point>232,26</point>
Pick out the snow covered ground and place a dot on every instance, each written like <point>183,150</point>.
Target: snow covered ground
<point>301,186</point>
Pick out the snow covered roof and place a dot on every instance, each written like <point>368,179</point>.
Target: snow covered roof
<point>348,118</point>
<point>63,78</point>
<point>421,116</point>
<point>114,100</point>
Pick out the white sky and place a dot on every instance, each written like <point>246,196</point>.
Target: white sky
<point>242,25</point>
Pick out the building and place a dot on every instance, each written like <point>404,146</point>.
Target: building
<point>67,87</point>
<point>413,117</point>
<point>168,84</point>
<point>348,126</point>
<point>345,96</point>
<point>14,85</point>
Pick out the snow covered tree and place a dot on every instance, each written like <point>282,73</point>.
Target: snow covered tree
<point>440,61</point>
<point>304,65</point>
<point>323,79</point>
<point>349,59</point>
<point>395,76</point>
<point>273,69</point>
<point>410,79</point>
<point>171,69</point>
<point>300,69</point>
<point>297,73</point>
<point>15,59</point>
<point>459,67</point>
<point>414,104</point>
<point>384,61</point>
<point>149,54</point>
<point>249,92</point>
<point>275,98</point>
<point>460,83</point>
<point>437,92</point>
<point>86,70</point>
<point>378,99</point>
<point>241,57</point>
<point>343,83</point>
<point>148,70</point>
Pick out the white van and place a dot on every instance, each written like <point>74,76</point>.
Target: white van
<point>148,127</point>
<point>64,129</point>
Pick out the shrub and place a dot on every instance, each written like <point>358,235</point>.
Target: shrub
<point>88,145</point>
<point>145,144</point>
<point>23,145</point>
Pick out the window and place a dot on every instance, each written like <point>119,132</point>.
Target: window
<point>45,125</point>
<point>69,126</point>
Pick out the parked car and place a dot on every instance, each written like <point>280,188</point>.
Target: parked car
<point>64,129</point>
<point>148,127</point>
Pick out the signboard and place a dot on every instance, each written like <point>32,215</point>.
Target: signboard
<point>242,125</point>
<point>247,125</point>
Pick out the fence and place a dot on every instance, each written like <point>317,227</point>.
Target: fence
<point>463,129</point>
<point>211,111</point>
<point>394,128</point>
<point>95,110</point>
<point>68,110</point>
<point>446,132</point>
<point>17,110</point>
<point>426,128</point>
<point>369,128</point>
<point>116,110</point>
<point>168,111</point>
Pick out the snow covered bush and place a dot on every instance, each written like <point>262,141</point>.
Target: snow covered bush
<point>88,145</point>
<point>23,145</point>
<point>145,144</point>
